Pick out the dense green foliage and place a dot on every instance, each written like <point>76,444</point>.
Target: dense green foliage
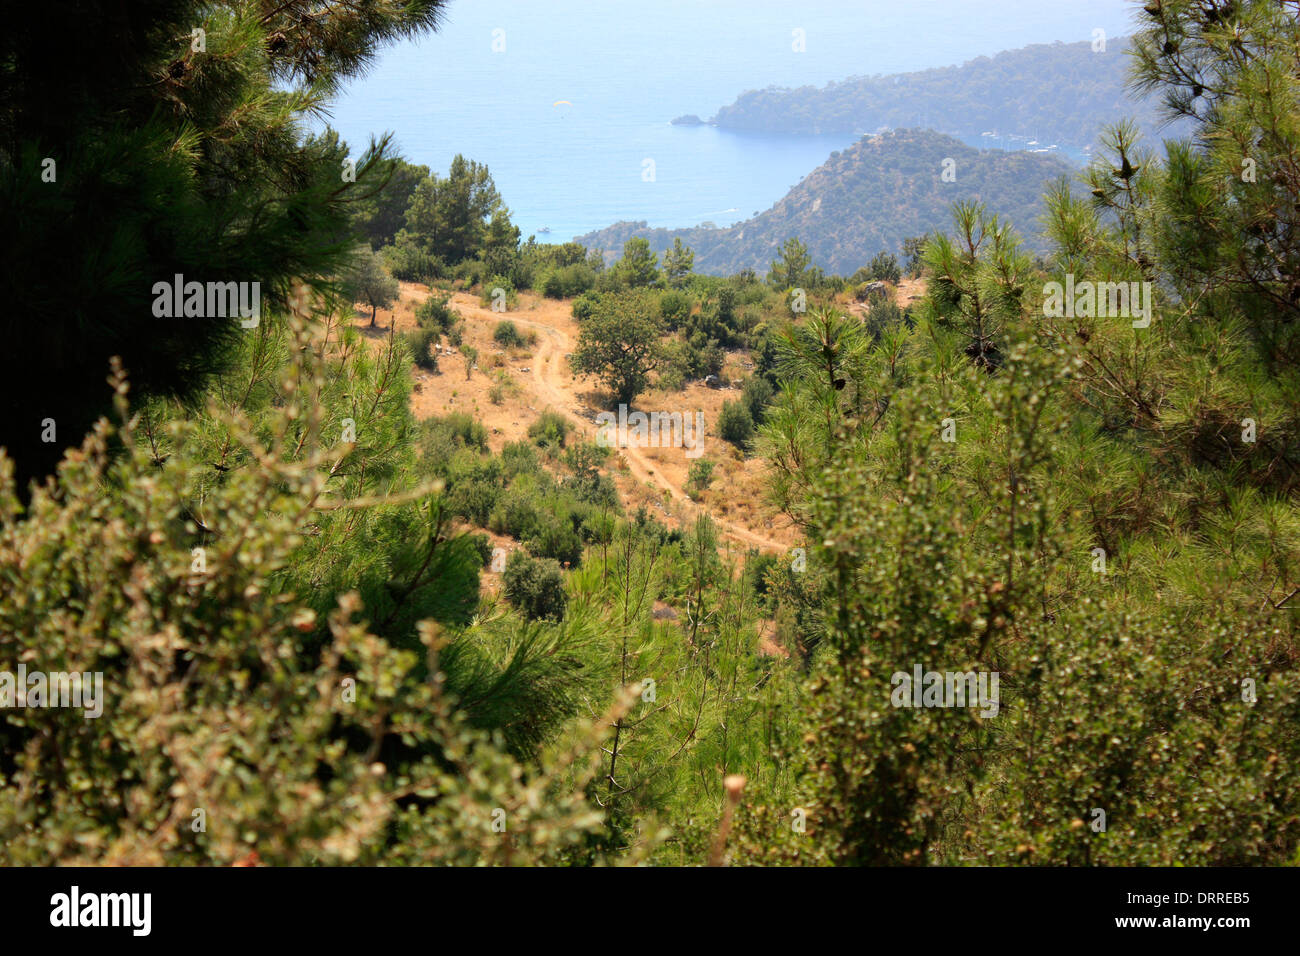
<point>166,160</point>
<point>619,343</point>
<point>1077,504</point>
<point>337,725</point>
<point>448,217</point>
<point>507,335</point>
<point>535,586</point>
<point>330,633</point>
<point>380,216</point>
<point>735,423</point>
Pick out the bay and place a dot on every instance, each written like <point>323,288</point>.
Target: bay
<point>569,102</point>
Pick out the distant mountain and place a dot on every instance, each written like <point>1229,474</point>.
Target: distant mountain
<point>868,198</point>
<point>1058,93</point>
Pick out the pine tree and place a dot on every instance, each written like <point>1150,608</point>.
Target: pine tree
<point>134,149</point>
<point>679,262</point>
<point>449,217</point>
<point>791,270</point>
<point>1080,501</point>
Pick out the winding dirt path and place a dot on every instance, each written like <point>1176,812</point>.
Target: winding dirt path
<point>554,385</point>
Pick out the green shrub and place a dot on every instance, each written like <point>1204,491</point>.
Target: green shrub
<point>225,692</point>
<point>474,500</point>
<point>758,566</point>
<point>564,282</point>
<point>555,537</point>
<point>502,385</point>
<point>883,315</point>
<point>421,343</point>
<point>757,395</point>
<point>464,429</point>
<point>598,491</point>
<point>535,587</point>
<point>516,513</point>
<point>434,314</point>
<point>609,282</point>
<point>884,267</point>
<point>757,294</point>
<point>482,546</point>
<point>584,458</point>
<point>506,335</point>
<point>701,474</point>
<point>675,366</point>
<point>672,378</point>
<point>704,357</point>
<point>520,457</point>
<point>735,424</point>
<point>407,262</point>
<point>674,309</point>
<point>470,272</point>
<point>550,430</point>
<point>585,305</point>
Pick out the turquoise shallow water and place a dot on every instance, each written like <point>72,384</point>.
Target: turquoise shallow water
<point>626,69</point>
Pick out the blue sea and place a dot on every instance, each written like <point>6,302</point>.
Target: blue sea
<point>569,102</point>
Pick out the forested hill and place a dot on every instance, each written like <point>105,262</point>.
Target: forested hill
<point>1058,93</point>
<point>866,199</point>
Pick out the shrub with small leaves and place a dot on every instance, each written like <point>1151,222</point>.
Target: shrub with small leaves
<point>735,424</point>
<point>506,335</point>
<point>699,477</point>
<point>301,738</point>
<point>421,343</point>
<point>535,586</point>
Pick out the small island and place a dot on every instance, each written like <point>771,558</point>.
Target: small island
<point>690,119</point>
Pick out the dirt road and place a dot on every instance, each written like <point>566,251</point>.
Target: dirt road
<point>552,382</point>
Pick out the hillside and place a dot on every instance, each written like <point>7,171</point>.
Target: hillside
<point>869,197</point>
<point>1057,93</point>
<point>342,526</point>
<point>538,378</point>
